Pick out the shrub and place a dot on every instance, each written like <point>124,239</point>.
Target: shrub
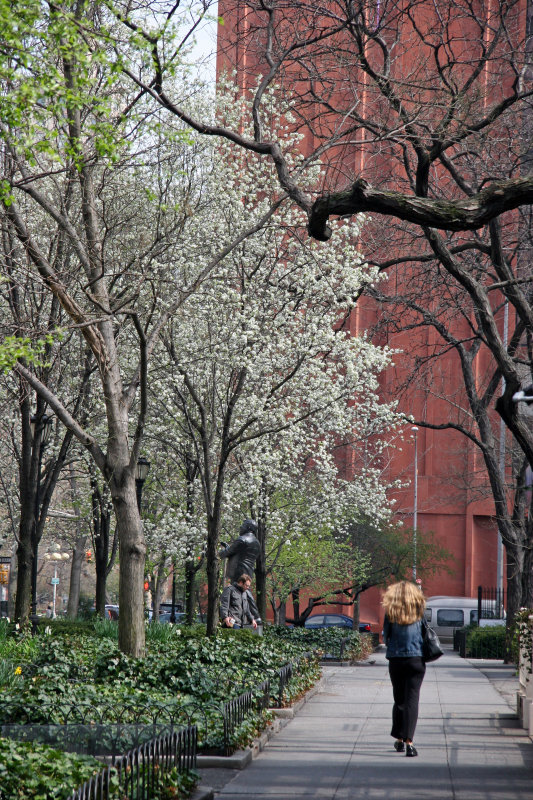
<point>486,642</point>
<point>35,771</point>
<point>522,634</point>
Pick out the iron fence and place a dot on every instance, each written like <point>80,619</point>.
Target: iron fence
<point>490,602</point>
<point>137,775</point>
<point>286,674</point>
<point>86,730</point>
<point>236,710</point>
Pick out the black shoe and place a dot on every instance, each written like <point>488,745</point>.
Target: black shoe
<point>411,751</point>
<point>399,746</point>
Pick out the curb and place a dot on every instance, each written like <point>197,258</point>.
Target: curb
<point>241,758</point>
<point>203,793</point>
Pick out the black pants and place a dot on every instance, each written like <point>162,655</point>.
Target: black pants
<point>406,675</point>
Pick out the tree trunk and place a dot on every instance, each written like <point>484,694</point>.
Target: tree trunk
<point>279,611</point>
<point>12,585</point>
<point>212,570</point>
<point>514,593</point>
<point>190,574</point>
<point>24,566</point>
<point>28,487</point>
<point>261,572</point>
<point>132,549</point>
<point>78,556</point>
<point>157,582</point>
<point>295,593</point>
<point>527,575</point>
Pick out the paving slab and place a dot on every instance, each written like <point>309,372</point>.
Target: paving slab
<point>338,746</point>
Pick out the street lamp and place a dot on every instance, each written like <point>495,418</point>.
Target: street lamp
<point>143,468</point>
<point>415,499</point>
<point>41,431</point>
<point>56,556</point>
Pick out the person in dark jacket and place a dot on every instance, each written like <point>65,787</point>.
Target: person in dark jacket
<point>243,552</point>
<point>237,605</point>
<point>404,606</point>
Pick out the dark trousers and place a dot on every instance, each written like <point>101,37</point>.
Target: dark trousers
<point>406,675</point>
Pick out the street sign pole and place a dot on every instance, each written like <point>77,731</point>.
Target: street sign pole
<point>55,581</point>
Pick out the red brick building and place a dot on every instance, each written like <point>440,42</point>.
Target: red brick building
<point>453,499</point>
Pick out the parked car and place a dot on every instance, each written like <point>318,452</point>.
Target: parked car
<point>335,621</point>
<point>165,616</point>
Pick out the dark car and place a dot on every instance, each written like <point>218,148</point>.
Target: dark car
<point>179,616</point>
<point>335,621</point>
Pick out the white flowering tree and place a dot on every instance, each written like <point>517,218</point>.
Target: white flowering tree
<point>77,148</point>
<point>259,373</point>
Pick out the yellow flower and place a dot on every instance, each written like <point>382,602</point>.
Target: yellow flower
<point>18,671</point>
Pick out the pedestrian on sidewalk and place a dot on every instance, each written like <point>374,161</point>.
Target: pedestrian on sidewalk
<point>404,606</point>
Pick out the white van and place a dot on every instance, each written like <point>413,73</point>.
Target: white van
<point>445,614</point>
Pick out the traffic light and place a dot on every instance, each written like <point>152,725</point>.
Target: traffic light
<point>88,556</point>
<point>146,586</point>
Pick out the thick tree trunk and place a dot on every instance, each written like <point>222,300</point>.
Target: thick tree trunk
<point>515,562</point>
<point>132,550</point>
<point>28,486</point>
<point>24,572</point>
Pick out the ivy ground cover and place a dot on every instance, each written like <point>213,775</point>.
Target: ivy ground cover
<point>70,669</point>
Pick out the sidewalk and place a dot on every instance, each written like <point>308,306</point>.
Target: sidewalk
<point>338,747</point>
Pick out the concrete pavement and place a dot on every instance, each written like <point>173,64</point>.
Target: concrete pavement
<point>338,747</point>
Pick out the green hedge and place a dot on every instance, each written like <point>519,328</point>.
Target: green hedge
<point>485,642</point>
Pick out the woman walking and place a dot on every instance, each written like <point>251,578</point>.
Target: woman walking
<point>404,606</point>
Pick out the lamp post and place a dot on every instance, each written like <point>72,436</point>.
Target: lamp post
<point>41,431</point>
<point>56,556</point>
<point>143,468</point>
<point>415,499</point>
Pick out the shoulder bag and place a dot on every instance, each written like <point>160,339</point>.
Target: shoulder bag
<point>431,649</point>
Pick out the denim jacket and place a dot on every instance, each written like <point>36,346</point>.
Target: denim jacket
<point>403,641</point>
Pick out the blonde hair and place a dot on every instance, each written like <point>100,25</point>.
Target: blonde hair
<point>404,603</point>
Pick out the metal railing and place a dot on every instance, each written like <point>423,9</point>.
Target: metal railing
<point>86,729</point>
<point>138,774</point>
<point>287,672</point>
<point>236,710</point>
<point>490,602</point>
